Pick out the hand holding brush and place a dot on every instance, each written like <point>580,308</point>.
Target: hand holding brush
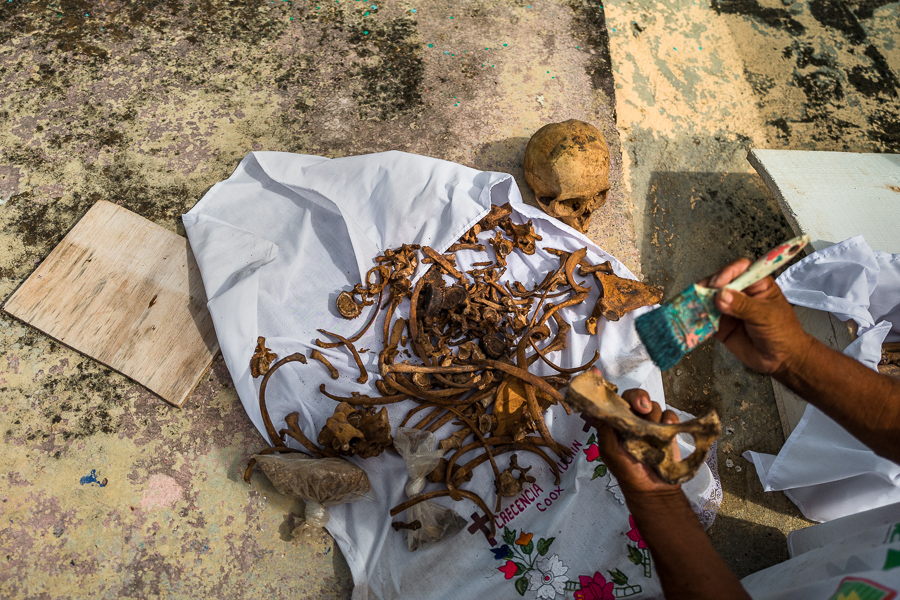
<point>758,324</point>
<point>680,325</point>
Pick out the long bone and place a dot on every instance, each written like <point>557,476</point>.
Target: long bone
<point>648,442</point>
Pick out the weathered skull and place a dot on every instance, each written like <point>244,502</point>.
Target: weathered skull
<point>567,166</point>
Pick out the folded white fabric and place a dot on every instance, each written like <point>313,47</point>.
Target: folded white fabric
<point>852,557</point>
<point>823,469</point>
<point>275,244</point>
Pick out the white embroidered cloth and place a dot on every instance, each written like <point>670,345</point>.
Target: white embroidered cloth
<point>284,234</point>
<point>853,557</point>
<point>823,469</point>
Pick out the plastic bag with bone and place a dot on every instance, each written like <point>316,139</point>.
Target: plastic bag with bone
<point>320,482</point>
<point>421,455</point>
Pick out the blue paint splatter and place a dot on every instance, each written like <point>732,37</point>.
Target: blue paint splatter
<point>92,478</point>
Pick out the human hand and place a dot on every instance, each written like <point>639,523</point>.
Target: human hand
<point>758,325</point>
<point>634,477</point>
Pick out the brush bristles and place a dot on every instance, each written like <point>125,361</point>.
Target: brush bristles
<point>661,336</point>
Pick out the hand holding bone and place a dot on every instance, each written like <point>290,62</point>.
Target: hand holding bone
<point>644,441</point>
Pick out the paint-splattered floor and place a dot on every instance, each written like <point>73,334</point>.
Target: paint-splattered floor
<point>108,492</point>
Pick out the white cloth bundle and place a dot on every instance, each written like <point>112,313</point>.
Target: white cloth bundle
<point>284,234</point>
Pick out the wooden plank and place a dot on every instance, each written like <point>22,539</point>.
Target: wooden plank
<point>835,195</point>
<point>127,293</point>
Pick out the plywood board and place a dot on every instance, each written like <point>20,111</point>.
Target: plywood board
<point>836,195</point>
<point>127,293</point>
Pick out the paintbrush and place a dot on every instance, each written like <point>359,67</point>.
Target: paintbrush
<point>678,326</point>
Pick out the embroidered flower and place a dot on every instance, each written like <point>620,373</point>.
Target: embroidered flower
<point>501,552</point>
<point>594,588</point>
<point>509,569</point>
<point>547,577</point>
<point>634,535</point>
<point>524,539</point>
<point>592,453</point>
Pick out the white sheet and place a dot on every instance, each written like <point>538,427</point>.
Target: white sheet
<point>277,242</point>
<point>823,469</point>
<point>856,560</point>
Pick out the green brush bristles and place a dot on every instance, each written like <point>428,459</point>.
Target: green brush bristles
<point>678,326</point>
<point>659,331</point>
<point>684,322</point>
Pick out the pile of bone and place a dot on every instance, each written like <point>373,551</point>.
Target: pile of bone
<point>463,354</point>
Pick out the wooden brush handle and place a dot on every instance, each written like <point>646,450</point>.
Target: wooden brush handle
<point>775,258</point>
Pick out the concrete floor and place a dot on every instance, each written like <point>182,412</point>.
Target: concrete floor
<point>148,104</point>
<point>697,85</point>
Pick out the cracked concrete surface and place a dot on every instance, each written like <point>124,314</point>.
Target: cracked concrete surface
<point>108,492</point>
<point>698,84</point>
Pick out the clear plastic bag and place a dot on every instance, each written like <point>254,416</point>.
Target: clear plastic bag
<point>437,523</point>
<point>320,482</point>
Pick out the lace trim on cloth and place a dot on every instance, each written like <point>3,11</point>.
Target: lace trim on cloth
<point>706,504</point>
<point>712,498</point>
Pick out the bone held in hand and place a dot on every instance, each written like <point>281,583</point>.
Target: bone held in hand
<point>648,442</point>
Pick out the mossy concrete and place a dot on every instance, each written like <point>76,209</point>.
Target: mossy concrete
<point>108,492</point>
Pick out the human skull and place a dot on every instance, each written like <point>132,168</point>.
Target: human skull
<point>567,167</point>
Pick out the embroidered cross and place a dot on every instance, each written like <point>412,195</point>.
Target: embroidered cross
<point>587,423</point>
<point>480,523</point>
